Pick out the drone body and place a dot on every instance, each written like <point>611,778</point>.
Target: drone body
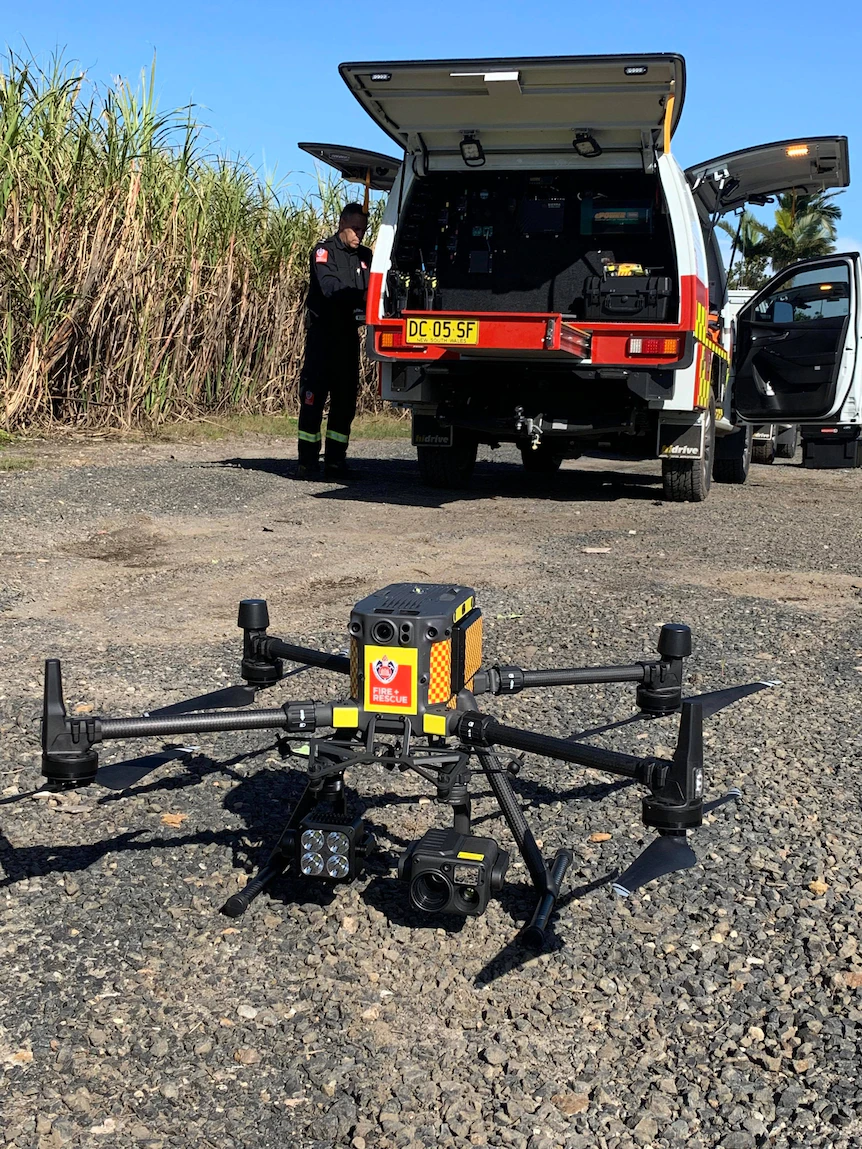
<point>415,671</point>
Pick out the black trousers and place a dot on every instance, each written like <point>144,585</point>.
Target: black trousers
<point>330,369</point>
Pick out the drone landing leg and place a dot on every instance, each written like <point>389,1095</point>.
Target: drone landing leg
<point>278,860</point>
<point>547,879</point>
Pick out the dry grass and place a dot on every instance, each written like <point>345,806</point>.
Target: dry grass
<point>141,280</point>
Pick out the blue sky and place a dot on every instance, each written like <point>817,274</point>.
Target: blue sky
<point>264,74</point>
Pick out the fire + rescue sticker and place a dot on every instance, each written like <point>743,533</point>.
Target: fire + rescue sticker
<point>390,679</point>
<point>321,255</point>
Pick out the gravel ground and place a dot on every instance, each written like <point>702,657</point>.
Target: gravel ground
<point>720,1007</point>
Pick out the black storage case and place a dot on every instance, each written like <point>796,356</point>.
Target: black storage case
<point>641,297</point>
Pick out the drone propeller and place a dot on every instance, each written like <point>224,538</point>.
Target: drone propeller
<point>122,775</point>
<point>711,703</point>
<point>666,854</point>
<point>229,697</point>
<point>715,700</point>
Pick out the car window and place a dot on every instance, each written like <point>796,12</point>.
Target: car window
<point>816,294</point>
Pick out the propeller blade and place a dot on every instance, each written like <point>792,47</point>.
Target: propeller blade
<point>122,775</point>
<point>578,735</point>
<point>664,855</point>
<point>716,700</point>
<point>229,697</point>
<point>730,796</point>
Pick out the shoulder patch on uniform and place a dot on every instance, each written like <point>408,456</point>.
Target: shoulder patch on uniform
<point>321,255</point>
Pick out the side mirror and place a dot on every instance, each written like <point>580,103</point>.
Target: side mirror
<point>782,311</point>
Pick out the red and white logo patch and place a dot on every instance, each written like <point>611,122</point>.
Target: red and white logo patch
<point>385,669</point>
<point>321,255</point>
<point>363,265</point>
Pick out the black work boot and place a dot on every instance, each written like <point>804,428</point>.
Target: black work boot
<point>307,471</point>
<point>338,470</point>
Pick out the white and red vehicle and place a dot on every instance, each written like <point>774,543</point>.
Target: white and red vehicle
<point>546,273</point>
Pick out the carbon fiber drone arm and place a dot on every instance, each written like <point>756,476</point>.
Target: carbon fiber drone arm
<point>68,754</point>
<point>659,682</point>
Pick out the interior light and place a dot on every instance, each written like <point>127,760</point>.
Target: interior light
<point>797,150</point>
<point>586,145</point>
<point>471,152</point>
<point>825,286</point>
<point>636,70</point>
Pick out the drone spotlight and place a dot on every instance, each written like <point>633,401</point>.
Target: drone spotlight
<point>415,672</point>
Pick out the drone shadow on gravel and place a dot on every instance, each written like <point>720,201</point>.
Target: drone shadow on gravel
<point>395,482</point>
<point>262,802</point>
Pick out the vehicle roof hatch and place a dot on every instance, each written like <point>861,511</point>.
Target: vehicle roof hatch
<point>520,106</point>
<point>754,175</point>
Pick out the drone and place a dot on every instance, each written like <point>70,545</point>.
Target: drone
<point>415,671</point>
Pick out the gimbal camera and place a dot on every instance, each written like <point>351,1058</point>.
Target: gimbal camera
<point>415,672</point>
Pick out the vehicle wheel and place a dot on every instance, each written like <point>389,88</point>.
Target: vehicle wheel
<point>786,443</point>
<point>689,480</point>
<point>448,467</point>
<point>733,457</point>
<point>542,460</point>
<point>763,452</point>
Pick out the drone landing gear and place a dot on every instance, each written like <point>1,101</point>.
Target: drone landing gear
<point>547,879</point>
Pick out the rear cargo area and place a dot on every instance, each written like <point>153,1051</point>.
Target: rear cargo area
<point>589,246</point>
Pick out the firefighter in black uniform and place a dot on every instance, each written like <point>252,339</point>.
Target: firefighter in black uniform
<point>335,308</point>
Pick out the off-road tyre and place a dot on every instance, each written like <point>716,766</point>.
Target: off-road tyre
<point>541,461</point>
<point>785,448</point>
<point>763,452</point>
<point>448,468</point>
<point>734,469</point>
<point>689,480</point>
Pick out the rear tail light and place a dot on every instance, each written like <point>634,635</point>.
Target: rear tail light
<point>390,339</point>
<point>653,346</point>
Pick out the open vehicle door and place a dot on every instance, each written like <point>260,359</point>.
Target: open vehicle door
<point>756,174</point>
<point>357,165</point>
<point>797,343</point>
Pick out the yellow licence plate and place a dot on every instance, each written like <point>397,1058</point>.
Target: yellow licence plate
<point>451,331</point>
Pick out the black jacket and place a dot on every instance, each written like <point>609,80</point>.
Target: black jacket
<point>338,281</point>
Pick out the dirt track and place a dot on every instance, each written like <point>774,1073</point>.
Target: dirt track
<point>721,1007</point>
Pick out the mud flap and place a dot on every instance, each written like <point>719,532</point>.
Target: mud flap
<point>428,431</point>
<point>681,440</point>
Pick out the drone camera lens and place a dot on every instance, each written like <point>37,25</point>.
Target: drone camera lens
<point>430,892</point>
<point>383,631</point>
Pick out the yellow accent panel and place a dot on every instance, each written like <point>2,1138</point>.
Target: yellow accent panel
<point>471,857</point>
<point>395,695</point>
<point>345,716</point>
<point>461,610</point>
<point>440,675</point>
<point>434,724</point>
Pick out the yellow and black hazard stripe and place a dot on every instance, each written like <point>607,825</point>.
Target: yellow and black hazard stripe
<point>701,334</point>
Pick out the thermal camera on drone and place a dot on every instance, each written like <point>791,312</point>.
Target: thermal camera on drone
<point>415,673</point>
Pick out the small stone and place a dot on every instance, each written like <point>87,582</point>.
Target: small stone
<point>494,1054</point>
<point>246,1056</point>
<point>571,1103</point>
<point>329,1088</point>
<point>600,837</point>
<point>646,1130</point>
<point>247,1011</point>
